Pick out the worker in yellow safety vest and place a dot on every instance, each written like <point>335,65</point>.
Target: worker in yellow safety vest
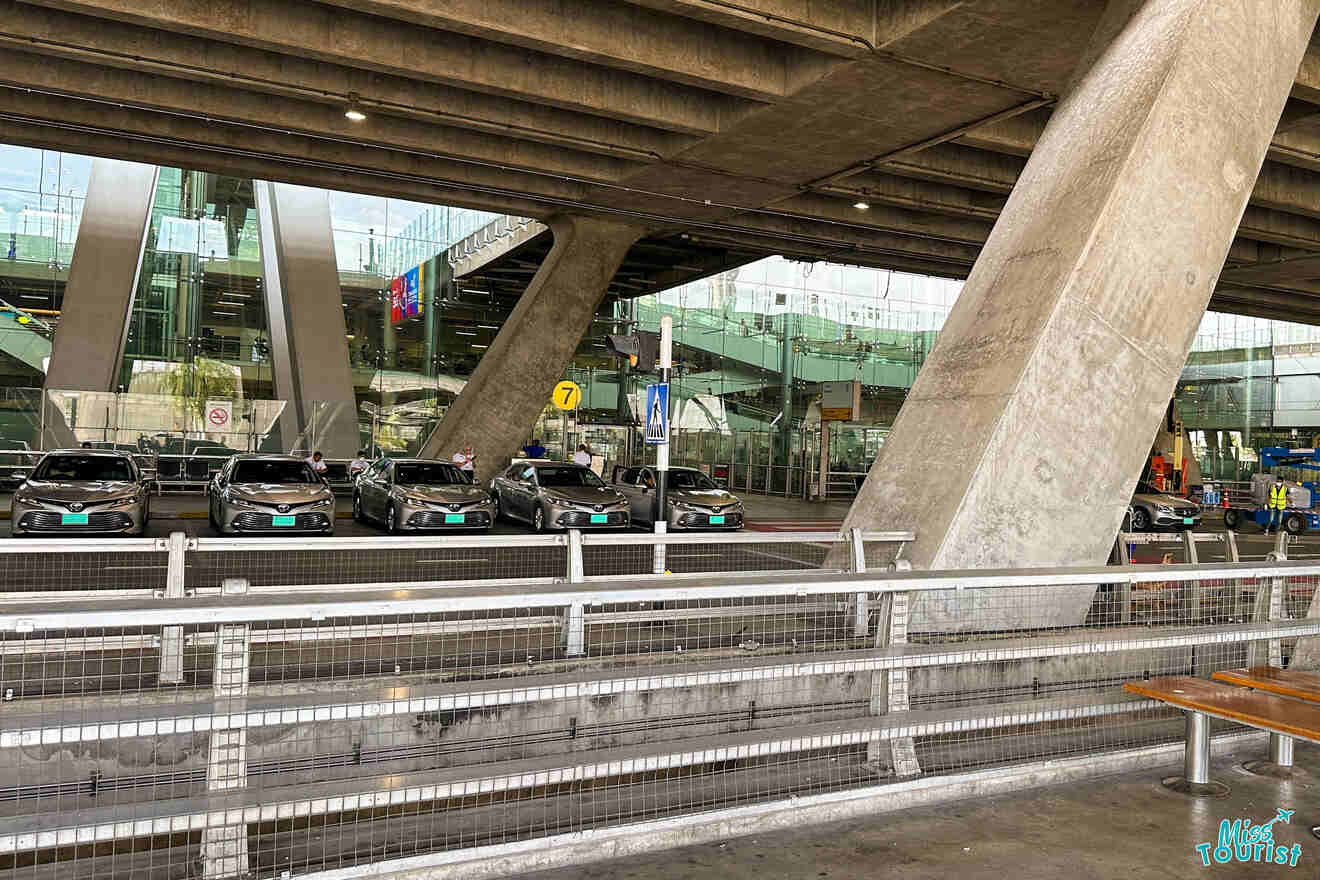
<point>1278,501</point>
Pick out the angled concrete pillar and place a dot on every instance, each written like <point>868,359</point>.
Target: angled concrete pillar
<point>511,385</point>
<point>1027,426</point>
<point>103,277</point>
<point>309,350</point>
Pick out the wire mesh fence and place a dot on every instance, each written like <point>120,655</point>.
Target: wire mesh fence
<point>241,732</point>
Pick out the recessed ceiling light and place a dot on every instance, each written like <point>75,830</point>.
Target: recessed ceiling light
<point>354,110</point>
<point>861,206</point>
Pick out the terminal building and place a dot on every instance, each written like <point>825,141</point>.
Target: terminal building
<point>208,311</point>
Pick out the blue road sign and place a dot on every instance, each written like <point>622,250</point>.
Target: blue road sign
<point>657,413</point>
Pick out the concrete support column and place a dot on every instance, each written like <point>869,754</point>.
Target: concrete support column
<point>1026,429</point>
<point>103,277</point>
<point>309,348</point>
<point>498,408</point>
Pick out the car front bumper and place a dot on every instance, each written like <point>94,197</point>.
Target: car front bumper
<point>262,521</point>
<point>441,517</point>
<point>565,517</point>
<point>52,519</point>
<point>1176,520</point>
<point>700,518</point>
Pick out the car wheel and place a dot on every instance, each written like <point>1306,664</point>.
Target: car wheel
<point>357,507</point>
<point>1140,520</point>
<point>1232,519</point>
<point>1295,524</point>
<point>538,519</point>
<point>391,516</point>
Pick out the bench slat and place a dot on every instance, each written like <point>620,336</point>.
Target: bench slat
<point>1253,708</point>
<point>1284,682</point>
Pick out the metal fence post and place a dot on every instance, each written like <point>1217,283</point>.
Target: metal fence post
<point>1197,596</point>
<point>862,601</point>
<point>889,688</point>
<point>171,637</point>
<point>225,847</point>
<point>575,618</point>
<point>1269,607</point>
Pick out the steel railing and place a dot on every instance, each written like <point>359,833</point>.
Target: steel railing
<point>317,727</point>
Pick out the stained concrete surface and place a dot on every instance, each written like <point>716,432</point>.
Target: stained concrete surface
<point>1123,826</point>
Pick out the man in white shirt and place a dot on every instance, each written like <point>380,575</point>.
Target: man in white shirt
<point>358,465</point>
<point>317,464</point>
<point>465,460</point>
<point>582,456</point>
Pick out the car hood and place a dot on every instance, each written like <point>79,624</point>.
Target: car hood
<point>448,493</point>
<point>704,497</point>
<point>584,494</point>
<point>88,490</point>
<point>1166,500</point>
<point>279,493</point>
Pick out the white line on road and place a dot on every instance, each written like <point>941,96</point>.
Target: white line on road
<point>448,561</point>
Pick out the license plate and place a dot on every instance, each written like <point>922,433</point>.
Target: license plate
<point>717,520</point>
<point>1189,521</point>
<point>454,517</point>
<point>600,518</point>
<point>283,520</point>
<point>73,519</point>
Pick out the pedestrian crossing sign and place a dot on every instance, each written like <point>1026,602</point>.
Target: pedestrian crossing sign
<point>657,413</point>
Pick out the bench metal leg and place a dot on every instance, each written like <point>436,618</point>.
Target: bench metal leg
<point>1280,763</point>
<point>1196,780</point>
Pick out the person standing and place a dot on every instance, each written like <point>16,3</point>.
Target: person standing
<point>1278,501</point>
<point>358,465</point>
<point>466,461</point>
<point>534,449</point>
<point>582,456</point>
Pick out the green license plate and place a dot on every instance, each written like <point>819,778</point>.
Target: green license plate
<point>1189,520</point>
<point>717,520</point>
<point>73,519</point>
<point>454,517</point>
<point>600,518</point>
<point>284,520</point>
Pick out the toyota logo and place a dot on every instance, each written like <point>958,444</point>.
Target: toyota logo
<point>600,507</point>
<point>454,506</point>
<point>717,509</point>
<point>283,508</point>
<point>75,506</point>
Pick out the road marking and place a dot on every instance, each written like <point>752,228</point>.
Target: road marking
<point>131,567</point>
<point>692,555</point>
<point>448,561</point>
<point>800,563</point>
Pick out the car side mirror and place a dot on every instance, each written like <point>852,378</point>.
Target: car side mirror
<point>20,475</point>
<point>149,475</point>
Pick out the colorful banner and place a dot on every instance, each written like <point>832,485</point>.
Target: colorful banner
<point>406,295</point>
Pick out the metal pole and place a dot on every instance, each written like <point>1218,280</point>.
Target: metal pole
<point>1196,759</point>
<point>662,450</point>
<point>1281,750</point>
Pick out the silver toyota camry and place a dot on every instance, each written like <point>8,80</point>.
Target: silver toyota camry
<point>82,491</point>
<point>413,494</point>
<point>559,495</point>
<point>265,494</point>
<point>695,502</point>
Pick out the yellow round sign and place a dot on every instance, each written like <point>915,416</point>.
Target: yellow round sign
<point>567,395</point>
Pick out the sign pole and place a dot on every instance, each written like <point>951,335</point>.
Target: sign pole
<point>662,451</point>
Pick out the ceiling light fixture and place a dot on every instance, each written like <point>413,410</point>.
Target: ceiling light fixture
<point>861,206</point>
<point>354,111</point>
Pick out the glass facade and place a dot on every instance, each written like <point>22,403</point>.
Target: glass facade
<point>752,345</point>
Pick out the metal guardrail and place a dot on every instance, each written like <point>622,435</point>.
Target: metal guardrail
<point>460,717</point>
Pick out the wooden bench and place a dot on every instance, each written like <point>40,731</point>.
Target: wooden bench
<point>1291,683</point>
<point>1201,700</point>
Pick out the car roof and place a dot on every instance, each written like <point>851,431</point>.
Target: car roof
<point>422,461</point>
<point>266,456</point>
<point>541,462</point>
<point>109,453</point>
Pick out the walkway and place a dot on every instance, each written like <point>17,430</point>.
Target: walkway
<point>1124,826</point>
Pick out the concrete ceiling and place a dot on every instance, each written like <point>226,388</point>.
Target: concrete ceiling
<point>750,127</point>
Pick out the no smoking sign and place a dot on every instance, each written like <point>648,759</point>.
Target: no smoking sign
<point>218,413</point>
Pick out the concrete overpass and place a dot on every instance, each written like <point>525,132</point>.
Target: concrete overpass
<point>926,135</point>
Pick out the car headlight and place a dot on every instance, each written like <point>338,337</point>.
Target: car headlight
<point>1164,508</point>
<point>126,501</point>
<point>681,505</point>
<point>24,498</point>
<point>241,503</point>
<point>324,502</point>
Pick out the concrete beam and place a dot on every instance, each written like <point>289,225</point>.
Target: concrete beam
<point>1091,287</point>
<point>210,102</point>
<point>179,56</point>
<point>1276,272</point>
<point>498,408</point>
<point>904,192</point>
<point>310,30</point>
<point>845,29</point>
<point>658,45</point>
